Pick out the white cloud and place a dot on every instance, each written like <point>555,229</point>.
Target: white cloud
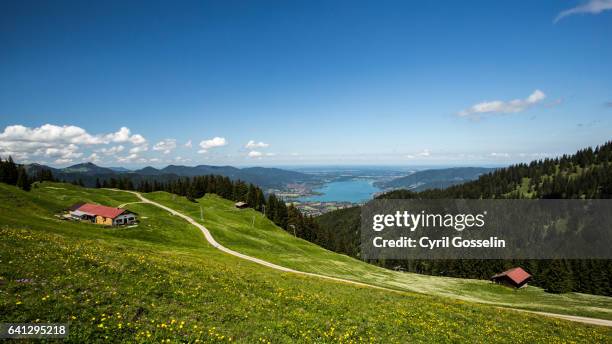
<point>181,159</point>
<point>70,151</point>
<point>124,135</point>
<point>270,154</point>
<point>22,151</point>
<point>131,159</point>
<point>255,154</point>
<point>139,149</point>
<point>138,139</point>
<point>60,142</point>
<point>589,7</point>
<point>188,144</point>
<point>166,146</point>
<point>49,133</point>
<point>252,144</point>
<point>498,106</point>
<point>112,151</point>
<point>500,155</point>
<point>63,161</point>
<point>423,154</point>
<point>212,143</point>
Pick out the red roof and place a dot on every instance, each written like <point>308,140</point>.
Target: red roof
<point>517,275</point>
<point>101,210</point>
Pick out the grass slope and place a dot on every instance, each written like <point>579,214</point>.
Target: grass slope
<point>249,232</point>
<point>160,281</point>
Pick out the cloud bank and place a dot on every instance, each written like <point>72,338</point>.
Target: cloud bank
<point>62,143</point>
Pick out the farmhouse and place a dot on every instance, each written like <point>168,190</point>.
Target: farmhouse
<point>101,215</point>
<point>241,205</point>
<point>515,277</point>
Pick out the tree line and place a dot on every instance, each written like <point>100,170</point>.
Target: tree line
<point>587,174</point>
<point>15,174</point>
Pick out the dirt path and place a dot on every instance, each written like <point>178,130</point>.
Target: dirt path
<point>214,243</point>
<point>124,204</point>
<point>592,321</point>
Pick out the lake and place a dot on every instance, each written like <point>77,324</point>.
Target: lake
<point>354,190</point>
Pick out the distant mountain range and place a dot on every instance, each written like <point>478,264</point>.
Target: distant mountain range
<point>264,177</point>
<point>435,178</point>
<point>88,173</point>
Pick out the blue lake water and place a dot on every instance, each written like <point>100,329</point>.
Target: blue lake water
<point>354,190</point>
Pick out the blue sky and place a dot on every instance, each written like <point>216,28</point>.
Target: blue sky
<point>330,82</point>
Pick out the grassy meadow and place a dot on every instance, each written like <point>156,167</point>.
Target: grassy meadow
<point>249,232</point>
<point>161,282</point>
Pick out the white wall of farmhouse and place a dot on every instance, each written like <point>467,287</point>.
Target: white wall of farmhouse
<point>124,218</point>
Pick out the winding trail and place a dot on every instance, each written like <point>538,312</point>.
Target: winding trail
<point>128,203</point>
<point>214,243</point>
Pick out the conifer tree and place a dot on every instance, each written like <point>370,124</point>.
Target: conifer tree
<point>22,179</point>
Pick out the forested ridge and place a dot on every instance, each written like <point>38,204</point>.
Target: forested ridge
<point>585,174</point>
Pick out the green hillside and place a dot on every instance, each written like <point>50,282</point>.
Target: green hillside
<point>161,281</point>
<point>249,232</point>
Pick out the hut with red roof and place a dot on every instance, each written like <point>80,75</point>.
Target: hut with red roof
<point>515,277</point>
<point>101,214</point>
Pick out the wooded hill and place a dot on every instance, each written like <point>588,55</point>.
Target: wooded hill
<point>434,178</point>
<point>585,174</point>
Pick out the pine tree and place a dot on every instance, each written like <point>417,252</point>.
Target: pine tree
<point>271,206</point>
<point>556,278</point>
<point>280,216</point>
<point>2,171</point>
<point>22,179</point>
<point>251,197</point>
<point>10,173</point>
<point>261,200</point>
